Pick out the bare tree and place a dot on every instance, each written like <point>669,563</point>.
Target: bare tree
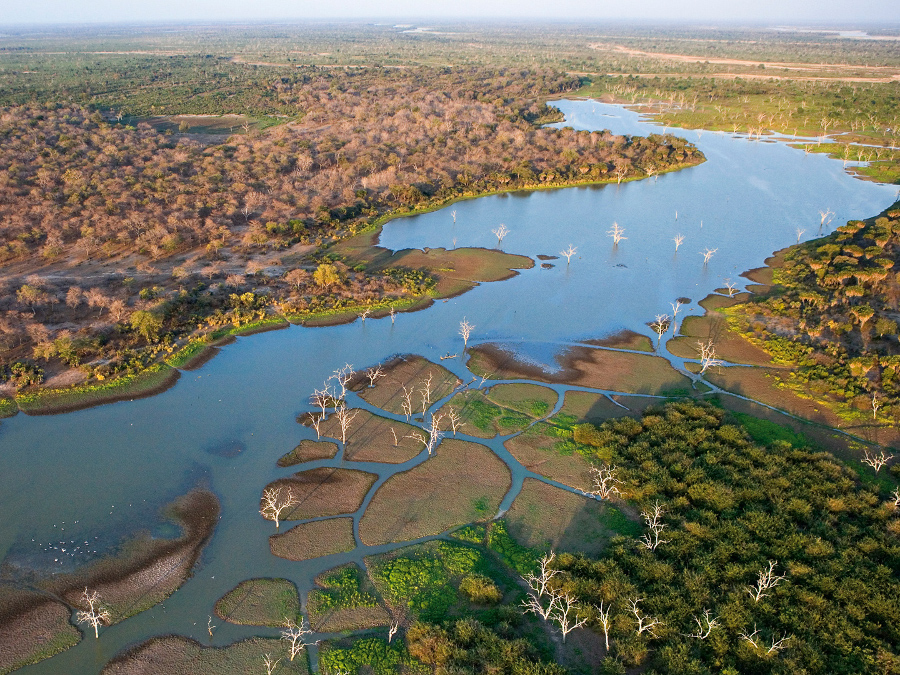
<point>876,404</point>
<point>766,580</point>
<point>707,254</point>
<point>394,434</point>
<point>395,625</point>
<point>96,614</point>
<point>465,330</point>
<point>896,495</point>
<point>705,625</point>
<point>653,519</point>
<point>569,252</point>
<point>406,404</point>
<point>434,433</point>
<point>540,582</point>
<point>322,398</point>
<point>453,213</point>
<point>603,620</point>
<point>270,664</point>
<point>621,172</point>
<point>660,326</point>
<point>605,482</point>
<point>455,423</point>
<point>564,612</point>
<point>500,232</point>
<point>209,625</point>
<point>425,391</point>
<point>373,374</point>
<point>365,314</point>
<point>645,623</point>
<point>296,636</point>
<point>676,307</point>
<point>877,461</point>
<point>316,421</point>
<point>827,215</point>
<point>799,234</point>
<point>679,240</point>
<point>617,233</point>
<point>273,503</point>
<point>342,376</point>
<point>418,436</point>
<point>708,356</point>
<point>777,644</point>
<point>731,286</point>
<point>393,314</point>
<point>532,603</point>
<point>345,418</point>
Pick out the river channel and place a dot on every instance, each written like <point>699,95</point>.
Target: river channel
<point>94,476</point>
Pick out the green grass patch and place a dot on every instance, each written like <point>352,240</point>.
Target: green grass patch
<point>260,602</point>
<point>376,655</point>
<point>8,407</point>
<point>767,433</point>
<point>520,558</point>
<point>342,589</point>
<point>187,353</point>
<point>473,534</point>
<point>613,519</point>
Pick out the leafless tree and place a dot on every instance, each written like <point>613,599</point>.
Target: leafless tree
<point>453,213</point>
<point>603,620</point>
<point>707,254</point>
<point>434,432</point>
<point>425,391</point>
<point>896,495</point>
<point>564,613</point>
<point>373,374</point>
<point>653,519</point>
<point>605,482</point>
<point>617,233</point>
<point>455,423</point>
<point>406,404</point>
<point>766,580</point>
<point>316,421</point>
<point>395,625</point>
<point>679,240</point>
<point>540,582</point>
<point>569,252</point>
<point>394,434</point>
<point>532,603</point>
<point>273,503</point>
<point>270,664</point>
<point>731,286</point>
<point>209,625</point>
<point>799,234</point>
<point>752,638</point>
<point>345,419</point>
<point>705,625</point>
<point>876,404</point>
<point>365,313</point>
<point>660,326</point>
<point>827,215</point>
<point>645,623</point>
<point>342,376</point>
<point>877,461</point>
<point>296,636</point>
<point>500,232</point>
<point>418,436</point>
<point>322,398</point>
<point>96,614</point>
<point>465,330</point>
<point>621,172</point>
<point>393,314</point>
<point>708,356</point>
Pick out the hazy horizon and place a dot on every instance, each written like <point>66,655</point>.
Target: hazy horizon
<point>838,13</point>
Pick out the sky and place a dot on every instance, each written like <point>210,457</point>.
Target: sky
<point>846,12</point>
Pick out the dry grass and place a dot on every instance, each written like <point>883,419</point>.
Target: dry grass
<point>176,655</point>
<point>479,417</point>
<point>307,451</point>
<point>461,483</point>
<point>729,345</point>
<point>411,372</point>
<point>369,438</point>
<point>32,627</point>
<point>544,516</point>
<point>536,453</point>
<point>346,613</point>
<point>260,602</point>
<point>314,540</point>
<point>531,399</point>
<point>626,339</point>
<point>324,492</point>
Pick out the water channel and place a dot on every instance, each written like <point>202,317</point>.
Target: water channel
<point>94,476</point>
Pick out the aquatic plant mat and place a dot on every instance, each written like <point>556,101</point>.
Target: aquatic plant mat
<point>345,599</point>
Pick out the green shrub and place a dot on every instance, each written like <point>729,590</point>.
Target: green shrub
<point>480,590</point>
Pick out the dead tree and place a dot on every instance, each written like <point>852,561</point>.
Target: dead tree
<point>209,625</point>
<point>393,314</point>
<point>273,503</point>
<point>316,421</point>
<point>645,623</point>
<point>827,215</point>
<point>345,419</point>
<point>731,286</point>
<point>707,254</point>
<point>564,613</point>
<point>500,232</point>
<point>270,664</point>
<point>679,240</point>
<point>705,625</point>
<point>660,326</point>
<point>365,314</point>
<point>465,330</point>
<point>322,398</point>
<point>766,580</point>
<point>708,356</point>
<point>453,213</point>
<point>395,625</point>
<point>406,404</point>
<point>617,233</point>
<point>896,495</point>
<point>96,614</point>
<point>776,646</point>
<point>434,432</point>
<point>877,461</point>
<point>799,234</point>
<point>394,433</point>
<point>605,482</point>
<point>876,404</point>
<point>296,636</point>
<point>653,519</point>
<point>455,423</point>
<point>569,252</point>
<point>373,374</point>
<point>425,391</point>
<point>418,436</point>
<point>603,620</point>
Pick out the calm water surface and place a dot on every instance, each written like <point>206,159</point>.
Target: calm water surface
<point>111,468</point>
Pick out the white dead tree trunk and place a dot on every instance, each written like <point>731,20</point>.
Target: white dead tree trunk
<point>617,233</point>
<point>568,253</point>
<point>465,330</point>
<point>605,482</point>
<point>827,215</point>
<point>876,404</point>
<point>679,240</point>
<point>676,307</point>
<point>455,423</point>
<point>394,434</point>
<point>406,404</point>
<point>418,436</point>
<point>603,620</point>
<point>434,433</point>
<point>316,421</point>
<point>564,613</point>
<point>96,614</point>
<point>799,234</point>
<point>453,213</point>
<point>209,625</point>
<point>660,326</point>
<point>345,419</point>
<point>274,503</point>
<point>707,254</point>
<point>776,646</point>
<point>270,664</point>
<point>373,374</point>
<point>766,580</point>
<point>705,625</point>
<point>653,519</point>
<point>322,398</point>
<point>425,391</point>
<point>343,376</point>
<point>708,356</point>
<point>645,623</point>
<point>877,461</point>
<point>896,495</point>
<point>500,232</point>
<point>731,286</point>
<point>393,314</point>
<point>395,625</point>
<point>296,636</point>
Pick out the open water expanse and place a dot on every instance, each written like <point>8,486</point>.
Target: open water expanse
<point>88,478</point>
